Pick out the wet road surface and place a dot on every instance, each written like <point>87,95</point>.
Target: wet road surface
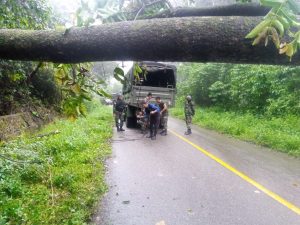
<point>170,181</point>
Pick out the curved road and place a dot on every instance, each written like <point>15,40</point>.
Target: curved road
<point>206,178</point>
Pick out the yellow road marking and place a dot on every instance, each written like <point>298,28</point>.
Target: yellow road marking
<point>242,175</point>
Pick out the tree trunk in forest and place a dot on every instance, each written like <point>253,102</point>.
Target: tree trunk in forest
<point>201,39</point>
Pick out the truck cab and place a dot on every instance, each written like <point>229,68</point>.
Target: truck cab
<point>157,78</point>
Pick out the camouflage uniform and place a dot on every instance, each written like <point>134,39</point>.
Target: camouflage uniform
<point>164,121</point>
<point>163,118</point>
<point>141,120</point>
<point>189,113</point>
<point>119,112</point>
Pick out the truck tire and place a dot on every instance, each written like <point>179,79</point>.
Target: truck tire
<point>130,122</point>
<point>130,117</point>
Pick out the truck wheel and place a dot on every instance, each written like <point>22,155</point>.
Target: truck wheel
<point>130,118</point>
<point>130,122</point>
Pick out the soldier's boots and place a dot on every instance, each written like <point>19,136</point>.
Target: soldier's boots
<point>150,135</point>
<point>164,132</point>
<point>118,129</point>
<point>188,132</point>
<point>121,129</point>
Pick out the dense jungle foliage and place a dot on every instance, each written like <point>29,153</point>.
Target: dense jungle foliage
<point>259,89</point>
<point>64,87</point>
<point>23,84</point>
<point>57,175</point>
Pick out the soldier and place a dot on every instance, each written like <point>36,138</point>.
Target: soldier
<point>140,117</point>
<point>119,111</point>
<point>189,113</point>
<point>146,110</point>
<point>163,115</point>
<point>154,118</point>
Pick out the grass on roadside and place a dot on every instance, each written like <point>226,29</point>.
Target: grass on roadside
<point>63,176</point>
<point>282,134</point>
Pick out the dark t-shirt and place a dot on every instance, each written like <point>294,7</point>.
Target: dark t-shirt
<point>161,106</point>
<point>120,105</point>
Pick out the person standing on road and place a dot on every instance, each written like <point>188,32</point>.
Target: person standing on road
<point>154,118</point>
<point>189,113</point>
<point>146,111</point>
<point>163,115</point>
<point>119,111</point>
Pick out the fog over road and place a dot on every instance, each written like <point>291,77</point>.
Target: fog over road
<point>172,181</point>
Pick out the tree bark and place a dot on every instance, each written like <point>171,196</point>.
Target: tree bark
<point>207,39</point>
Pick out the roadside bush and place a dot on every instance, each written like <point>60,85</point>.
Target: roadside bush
<point>56,179</point>
<point>219,93</point>
<point>45,88</point>
<point>259,89</point>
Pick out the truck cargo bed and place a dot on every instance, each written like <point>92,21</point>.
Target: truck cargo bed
<point>139,93</point>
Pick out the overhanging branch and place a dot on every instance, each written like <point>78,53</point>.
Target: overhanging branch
<point>201,39</point>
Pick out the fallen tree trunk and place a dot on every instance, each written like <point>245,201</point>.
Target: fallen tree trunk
<point>208,39</point>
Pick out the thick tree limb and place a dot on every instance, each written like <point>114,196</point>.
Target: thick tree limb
<point>208,39</point>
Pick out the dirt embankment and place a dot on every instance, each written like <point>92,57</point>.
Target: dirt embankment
<point>13,125</point>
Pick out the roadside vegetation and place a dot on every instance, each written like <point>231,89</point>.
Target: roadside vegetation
<point>256,103</point>
<point>56,176</point>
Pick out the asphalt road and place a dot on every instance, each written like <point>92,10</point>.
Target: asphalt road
<point>171,181</point>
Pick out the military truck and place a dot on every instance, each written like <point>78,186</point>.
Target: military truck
<point>157,78</point>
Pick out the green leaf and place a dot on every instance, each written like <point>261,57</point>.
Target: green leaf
<point>119,74</point>
<point>278,25</point>
<point>138,68</point>
<point>258,28</point>
<point>284,22</point>
<point>78,110</point>
<point>86,96</point>
<point>103,93</point>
